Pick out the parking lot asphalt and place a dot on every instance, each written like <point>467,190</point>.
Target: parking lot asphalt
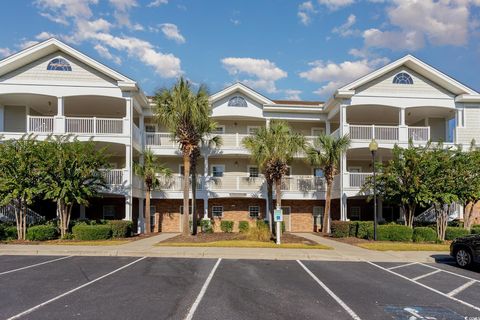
<point>74,287</point>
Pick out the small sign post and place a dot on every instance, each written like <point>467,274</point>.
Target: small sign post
<point>278,218</point>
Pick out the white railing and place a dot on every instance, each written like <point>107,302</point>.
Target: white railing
<point>366,132</point>
<point>159,139</point>
<point>136,134</point>
<point>39,124</point>
<point>232,140</point>
<point>175,183</point>
<point>303,183</point>
<point>419,133</point>
<point>357,179</point>
<point>310,139</point>
<point>93,125</point>
<point>336,133</point>
<point>250,183</point>
<point>113,176</point>
<point>7,214</point>
<point>225,183</point>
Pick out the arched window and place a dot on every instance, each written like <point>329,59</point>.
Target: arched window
<point>59,64</point>
<point>403,78</point>
<point>237,101</point>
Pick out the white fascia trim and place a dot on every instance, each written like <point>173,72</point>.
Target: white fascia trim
<point>280,108</point>
<point>58,45</point>
<point>415,64</point>
<point>468,98</point>
<point>242,88</point>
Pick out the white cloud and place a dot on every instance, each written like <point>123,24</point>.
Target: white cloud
<point>67,8</point>
<point>345,29</point>
<point>157,3</point>
<point>44,36</point>
<point>56,19</point>
<point>305,11</point>
<point>395,40</point>
<point>122,14</point>
<point>265,72</point>
<point>235,22</point>
<point>5,52</point>
<point>104,52</point>
<point>171,32</point>
<point>336,4</point>
<point>291,94</point>
<point>332,75</point>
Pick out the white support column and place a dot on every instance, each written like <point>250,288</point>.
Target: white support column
<point>403,129</point>
<point>128,182</point>
<point>2,118</point>
<point>344,128</point>
<point>267,123</point>
<point>128,120</point>
<point>82,212</point>
<point>142,129</point>
<point>344,182</point>
<point>141,218</point>
<point>205,185</point>
<point>327,127</point>
<point>128,207</point>
<point>59,119</point>
<point>343,207</point>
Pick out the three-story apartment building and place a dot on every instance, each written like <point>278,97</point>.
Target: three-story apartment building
<point>51,88</point>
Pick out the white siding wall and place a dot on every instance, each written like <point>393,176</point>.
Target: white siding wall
<point>472,126</point>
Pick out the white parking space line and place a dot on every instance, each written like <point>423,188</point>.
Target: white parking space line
<point>426,287</point>
<point>19,315</point>
<point>450,272</point>
<point>426,275</point>
<point>461,288</point>
<point>402,265</point>
<point>331,293</point>
<point>202,291</point>
<point>34,265</point>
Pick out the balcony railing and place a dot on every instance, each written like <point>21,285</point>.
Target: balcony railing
<point>113,176</point>
<point>419,133</point>
<point>303,183</point>
<point>159,139</point>
<point>357,179</point>
<point>364,132</point>
<point>93,125</point>
<point>175,183</point>
<point>136,134</point>
<point>39,124</point>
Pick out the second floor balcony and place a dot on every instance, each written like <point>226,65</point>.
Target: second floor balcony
<point>389,133</point>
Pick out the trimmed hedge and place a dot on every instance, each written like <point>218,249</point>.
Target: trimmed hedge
<point>243,226</point>
<point>340,229</point>
<point>359,229</point>
<point>424,234</point>
<point>475,230</point>
<point>206,226</point>
<point>455,232</point>
<point>392,232</point>
<point>42,233</point>
<point>121,228</point>
<point>10,233</point>
<point>226,226</point>
<point>89,232</point>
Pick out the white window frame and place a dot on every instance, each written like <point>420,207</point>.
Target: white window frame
<point>250,214</point>
<point>350,168</point>
<point>217,165</point>
<point>110,206</point>
<point>248,171</point>
<point>216,216</point>
<point>322,131</point>
<point>318,218</point>
<point>359,212</point>
<point>252,127</point>
<point>220,126</point>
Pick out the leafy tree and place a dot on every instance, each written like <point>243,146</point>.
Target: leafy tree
<point>149,170</point>
<point>273,148</point>
<point>72,174</point>
<point>20,177</point>
<point>403,179</point>
<point>326,153</point>
<point>185,114</point>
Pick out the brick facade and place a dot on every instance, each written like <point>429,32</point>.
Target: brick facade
<point>169,213</point>
<point>236,210</point>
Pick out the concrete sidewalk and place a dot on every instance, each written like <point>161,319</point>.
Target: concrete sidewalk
<point>145,247</point>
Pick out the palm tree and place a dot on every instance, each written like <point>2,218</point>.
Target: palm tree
<point>325,154</point>
<point>185,114</point>
<point>149,171</point>
<point>272,149</point>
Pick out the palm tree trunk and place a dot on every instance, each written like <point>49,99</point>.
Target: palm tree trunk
<point>326,214</point>
<point>278,200</point>
<point>147,219</point>
<point>194,200</point>
<point>270,205</point>
<point>186,194</point>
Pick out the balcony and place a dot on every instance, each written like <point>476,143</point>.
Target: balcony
<point>114,177</point>
<point>389,133</point>
<point>77,125</point>
<point>358,179</point>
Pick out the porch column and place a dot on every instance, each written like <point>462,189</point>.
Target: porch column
<point>402,128</point>
<point>2,118</point>
<point>127,177</point>
<point>327,127</point>
<point>142,129</point>
<point>82,212</point>
<point>267,123</point>
<point>205,186</point>
<point>59,119</point>
<point>128,207</point>
<point>141,218</point>
<point>344,128</point>
<point>127,121</point>
<point>343,207</point>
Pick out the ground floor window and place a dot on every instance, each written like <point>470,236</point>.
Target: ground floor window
<point>286,210</point>
<point>108,212</point>
<point>355,213</point>
<point>254,211</point>
<point>317,217</point>
<point>253,171</point>
<point>217,211</point>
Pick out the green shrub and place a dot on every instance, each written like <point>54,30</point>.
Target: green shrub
<point>455,223</point>
<point>121,228</point>
<point>92,232</point>
<point>260,232</point>
<point>226,226</point>
<point>392,232</point>
<point>68,236</point>
<point>340,229</point>
<point>455,232</point>
<point>206,226</point>
<point>243,226</point>
<point>10,233</point>
<point>42,233</point>
<point>424,234</point>
<point>475,230</point>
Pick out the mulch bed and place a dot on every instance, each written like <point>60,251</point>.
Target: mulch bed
<point>222,236</point>
<point>348,240</point>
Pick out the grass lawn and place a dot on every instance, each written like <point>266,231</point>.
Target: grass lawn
<point>404,246</point>
<point>242,244</point>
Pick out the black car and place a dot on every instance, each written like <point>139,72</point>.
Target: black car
<point>466,250</point>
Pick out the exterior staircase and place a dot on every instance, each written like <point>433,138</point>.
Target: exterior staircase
<point>429,215</point>
<point>7,214</point>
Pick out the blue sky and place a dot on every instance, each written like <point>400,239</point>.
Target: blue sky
<point>284,48</point>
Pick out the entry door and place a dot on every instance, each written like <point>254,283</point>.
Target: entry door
<point>318,218</point>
